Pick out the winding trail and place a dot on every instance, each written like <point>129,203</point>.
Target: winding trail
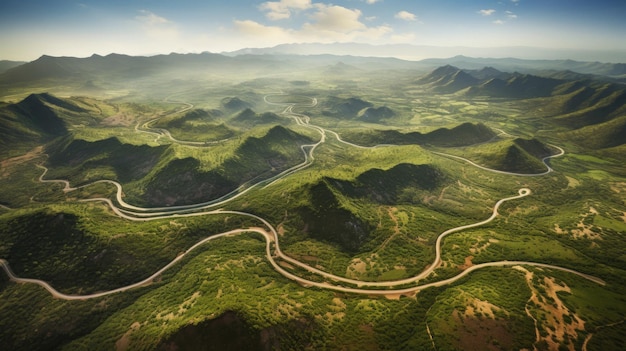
<point>135,213</point>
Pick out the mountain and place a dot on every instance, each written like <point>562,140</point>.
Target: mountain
<point>461,135</point>
<point>346,59</point>
<point>78,158</point>
<point>344,108</point>
<point>34,119</point>
<point>591,105</point>
<point>518,86</point>
<point>488,82</point>
<point>184,181</point>
<point>340,69</point>
<point>328,217</point>
<point>6,65</point>
<point>439,75</point>
<point>113,67</point>
<point>328,220</point>
<point>375,114</point>
<point>422,52</point>
<point>458,81</point>
<point>487,72</point>
<point>196,125</point>
<point>235,104</point>
<point>515,63</point>
<point>511,155</point>
<point>389,186</point>
<point>194,115</point>
<point>573,100</point>
<point>250,118</point>
<point>601,136</point>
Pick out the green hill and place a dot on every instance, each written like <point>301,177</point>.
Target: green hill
<point>6,65</point>
<point>600,136</point>
<point>517,155</point>
<point>461,135</point>
<point>235,104</point>
<point>329,216</point>
<point>61,248</point>
<point>83,161</point>
<point>392,186</point>
<point>250,118</point>
<point>592,106</point>
<point>344,108</point>
<point>34,120</point>
<point>448,79</point>
<point>375,114</point>
<point>519,86</point>
<point>196,125</point>
<point>183,181</point>
<point>327,220</point>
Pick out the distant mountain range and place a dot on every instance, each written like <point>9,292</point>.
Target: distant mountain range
<point>421,52</point>
<point>6,65</point>
<point>116,68</point>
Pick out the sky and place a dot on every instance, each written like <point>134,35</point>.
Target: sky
<point>80,28</point>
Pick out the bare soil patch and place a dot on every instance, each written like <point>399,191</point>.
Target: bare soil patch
<point>6,166</point>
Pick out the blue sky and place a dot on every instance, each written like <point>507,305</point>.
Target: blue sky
<point>31,28</point>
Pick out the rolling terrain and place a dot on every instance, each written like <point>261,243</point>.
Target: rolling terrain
<point>311,202</point>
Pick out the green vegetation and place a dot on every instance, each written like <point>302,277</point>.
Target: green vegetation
<point>370,208</point>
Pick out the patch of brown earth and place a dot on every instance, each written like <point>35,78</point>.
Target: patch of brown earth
<point>524,211</point>
<point>356,268</point>
<point>122,343</point>
<point>481,333</point>
<point>467,264</point>
<point>571,182</point>
<point>618,187</point>
<point>555,325</point>
<point>391,212</point>
<point>485,308</point>
<point>557,229</point>
<point>120,119</point>
<point>479,246</point>
<point>336,311</point>
<point>582,230</point>
<point>7,165</point>
<point>359,266</point>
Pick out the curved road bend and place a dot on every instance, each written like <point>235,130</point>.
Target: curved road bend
<point>273,237</point>
<point>268,239</point>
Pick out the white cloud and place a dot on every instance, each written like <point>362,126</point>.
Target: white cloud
<point>516,2</point>
<point>327,23</point>
<point>511,15</point>
<point>488,12</point>
<point>335,18</point>
<point>372,1</point>
<point>277,10</point>
<point>370,18</point>
<point>406,16</point>
<point>150,18</point>
<point>252,28</point>
<point>498,22</point>
<point>157,27</point>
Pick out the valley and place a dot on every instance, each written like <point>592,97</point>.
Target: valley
<point>365,204</point>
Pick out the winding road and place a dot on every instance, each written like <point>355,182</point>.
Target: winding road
<point>135,213</point>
